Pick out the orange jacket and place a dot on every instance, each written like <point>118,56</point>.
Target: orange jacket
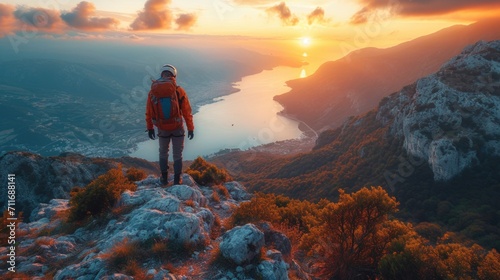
<point>184,105</point>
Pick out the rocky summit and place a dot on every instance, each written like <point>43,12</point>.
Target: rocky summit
<point>40,179</point>
<point>142,224</point>
<point>451,119</point>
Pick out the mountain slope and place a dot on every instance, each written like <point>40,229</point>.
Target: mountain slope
<point>435,144</point>
<point>356,83</point>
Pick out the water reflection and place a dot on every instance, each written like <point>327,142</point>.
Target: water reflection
<point>303,73</point>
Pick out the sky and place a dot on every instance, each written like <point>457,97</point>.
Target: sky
<point>318,29</point>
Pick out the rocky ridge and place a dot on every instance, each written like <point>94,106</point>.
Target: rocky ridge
<point>40,179</point>
<point>451,119</point>
<point>185,214</point>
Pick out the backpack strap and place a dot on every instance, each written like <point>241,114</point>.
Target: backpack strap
<point>180,99</point>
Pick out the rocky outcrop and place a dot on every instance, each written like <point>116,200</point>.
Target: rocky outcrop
<point>242,244</point>
<point>40,179</point>
<point>185,215</point>
<point>451,119</point>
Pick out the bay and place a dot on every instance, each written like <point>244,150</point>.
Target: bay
<point>242,120</point>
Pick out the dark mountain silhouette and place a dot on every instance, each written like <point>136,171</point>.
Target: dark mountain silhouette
<point>356,83</point>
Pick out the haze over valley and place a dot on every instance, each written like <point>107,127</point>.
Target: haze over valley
<point>89,97</point>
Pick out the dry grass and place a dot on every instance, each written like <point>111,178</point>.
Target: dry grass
<point>134,174</point>
<point>190,203</point>
<point>222,191</point>
<point>132,268</point>
<point>215,196</point>
<point>122,254</point>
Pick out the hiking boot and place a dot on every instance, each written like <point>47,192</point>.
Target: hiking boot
<point>177,179</point>
<point>164,178</point>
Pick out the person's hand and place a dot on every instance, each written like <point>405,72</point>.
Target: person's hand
<point>151,134</point>
<point>190,134</point>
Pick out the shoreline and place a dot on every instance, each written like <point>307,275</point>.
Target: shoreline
<point>303,126</point>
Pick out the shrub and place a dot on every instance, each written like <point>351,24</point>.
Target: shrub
<point>490,266</point>
<point>413,257</point>
<point>206,174</point>
<point>99,196</point>
<point>261,207</point>
<point>134,174</point>
<point>354,233</point>
<point>430,231</point>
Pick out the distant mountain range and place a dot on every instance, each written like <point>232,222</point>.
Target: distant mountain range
<point>356,83</point>
<point>435,144</point>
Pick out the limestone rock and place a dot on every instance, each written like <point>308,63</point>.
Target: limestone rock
<point>242,244</point>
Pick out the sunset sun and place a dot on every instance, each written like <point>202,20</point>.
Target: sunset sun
<point>305,41</point>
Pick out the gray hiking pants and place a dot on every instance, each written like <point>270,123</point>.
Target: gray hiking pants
<point>177,137</point>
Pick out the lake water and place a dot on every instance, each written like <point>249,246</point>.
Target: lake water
<point>241,120</point>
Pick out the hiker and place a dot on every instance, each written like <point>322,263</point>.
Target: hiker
<point>167,105</point>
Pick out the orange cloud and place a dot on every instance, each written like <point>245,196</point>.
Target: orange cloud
<point>419,8</point>
<point>284,13</point>
<point>81,17</point>
<point>6,19</point>
<point>185,21</point>
<point>39,18</point>
<point>318,15</point>
<point>155,15</point>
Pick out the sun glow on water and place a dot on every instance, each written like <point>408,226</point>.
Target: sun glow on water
<point>303,73</point>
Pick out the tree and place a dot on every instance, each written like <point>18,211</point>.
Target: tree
<point>354,233</point>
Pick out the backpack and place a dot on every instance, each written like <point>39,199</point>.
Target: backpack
<point>166,105</point>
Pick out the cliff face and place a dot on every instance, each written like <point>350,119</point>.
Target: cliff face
<point>39,179</point>
<point>451,118</point>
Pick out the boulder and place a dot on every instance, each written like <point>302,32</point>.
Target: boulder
<point>242,244</point>
<point>274,268</point>
<point>185,192</point>
<point>237,191</point>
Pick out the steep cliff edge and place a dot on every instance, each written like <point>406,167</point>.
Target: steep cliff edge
<point>451,118</point>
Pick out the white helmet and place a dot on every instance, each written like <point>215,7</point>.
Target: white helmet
<point>169,68</point>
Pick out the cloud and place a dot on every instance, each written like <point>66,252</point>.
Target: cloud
<point>81,17</point>
<point>418,8</point>
<point>155,15</point>
<point>39,18</point>
<point>185,21</point>
<point>361,16</point>
<point>318,15</point>
<point>6,19</point>
<point>284,13</point>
